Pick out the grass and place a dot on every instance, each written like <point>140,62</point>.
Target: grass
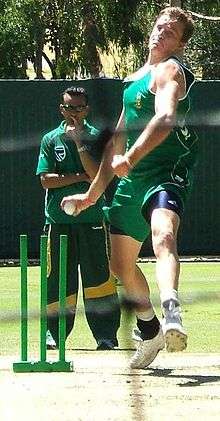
<point>199,293</point>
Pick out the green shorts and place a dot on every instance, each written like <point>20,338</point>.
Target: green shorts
<point>132,194</point>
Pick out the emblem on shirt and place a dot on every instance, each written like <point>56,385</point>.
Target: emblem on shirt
<point>138,103</point>
<point>185,132</point>
<point>60,153</point>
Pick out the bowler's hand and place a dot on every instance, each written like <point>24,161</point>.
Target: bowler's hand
<point>80,202</point>
<point>121,165</point>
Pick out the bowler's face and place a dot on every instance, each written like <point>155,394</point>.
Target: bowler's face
<point>166,36</point>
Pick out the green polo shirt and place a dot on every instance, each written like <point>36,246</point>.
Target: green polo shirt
<point>59,154</point>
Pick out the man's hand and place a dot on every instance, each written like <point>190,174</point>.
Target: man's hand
<point>80,202</point>
<point>121,165</point>
<point>74,131</point>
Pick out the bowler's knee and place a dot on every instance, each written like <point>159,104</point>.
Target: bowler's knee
<point>163,242</point>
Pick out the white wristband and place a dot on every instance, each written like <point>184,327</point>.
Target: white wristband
<point>83,148</point>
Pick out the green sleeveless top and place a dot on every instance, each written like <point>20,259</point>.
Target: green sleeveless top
<point>168,167</point>
<point>178,153</point>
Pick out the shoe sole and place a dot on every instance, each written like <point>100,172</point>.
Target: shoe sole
<point>175,340</point>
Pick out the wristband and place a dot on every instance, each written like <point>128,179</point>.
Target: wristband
<point>83,148</point>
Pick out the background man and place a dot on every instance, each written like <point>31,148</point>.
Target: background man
<point>67,163</point>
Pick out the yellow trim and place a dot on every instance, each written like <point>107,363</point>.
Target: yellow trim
<point>107,241</point>
<point>103,290</point>
<point>48,252</point>
<point>70,302</point>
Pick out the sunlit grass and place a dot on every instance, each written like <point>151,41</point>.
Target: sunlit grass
<point>199,293</point>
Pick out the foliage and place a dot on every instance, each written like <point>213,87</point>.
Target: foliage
<point>203,51</point>
<point>79,33</point>
<point>14,38</point>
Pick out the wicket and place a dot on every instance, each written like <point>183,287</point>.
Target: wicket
<point>26,365</point>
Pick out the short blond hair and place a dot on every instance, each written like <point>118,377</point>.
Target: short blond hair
<point>181,16</point>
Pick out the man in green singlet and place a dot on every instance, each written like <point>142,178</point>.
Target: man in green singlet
<point>154,154</point>
<point>68,161</point>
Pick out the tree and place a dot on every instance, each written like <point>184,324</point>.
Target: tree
<point>175,3</point>
<point>79,32</point>
<point>14,39</point>
<point>203,52</point>
<point>22,37</point>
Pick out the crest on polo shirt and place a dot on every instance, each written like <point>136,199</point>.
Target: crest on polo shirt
<point>138,102</point>
<point>60,153</point>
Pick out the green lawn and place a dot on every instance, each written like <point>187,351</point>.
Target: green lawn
<point>199,292</point>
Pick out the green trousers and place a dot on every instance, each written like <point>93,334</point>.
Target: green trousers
<point>87,251</point>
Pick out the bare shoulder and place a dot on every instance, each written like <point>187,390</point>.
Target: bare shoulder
<point>169,70</point>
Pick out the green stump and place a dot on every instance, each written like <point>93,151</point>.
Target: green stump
<point>42,366</point>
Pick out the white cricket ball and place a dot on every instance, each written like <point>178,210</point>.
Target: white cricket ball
<point>69,208</point>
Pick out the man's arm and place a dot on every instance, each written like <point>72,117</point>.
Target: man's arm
<point>55,180</point>
<point>88,162</point>
<point>46,168</point>
<point>105,173</point>
<point>170,86</point>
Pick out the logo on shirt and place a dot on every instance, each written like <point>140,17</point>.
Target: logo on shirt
<point>172,202</point>
<point>185,132</point>
<point>60,153</point>
<point>138,103</point>
<point>179,179</point>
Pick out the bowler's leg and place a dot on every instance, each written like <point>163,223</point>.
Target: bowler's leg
<point>148,334</point>
<point>165,224</point>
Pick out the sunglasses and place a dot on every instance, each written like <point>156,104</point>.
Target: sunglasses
<point>77,108</point>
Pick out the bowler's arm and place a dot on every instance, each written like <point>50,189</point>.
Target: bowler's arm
<point>105,173</point>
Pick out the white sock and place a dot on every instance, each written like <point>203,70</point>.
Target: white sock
<point>146,315</point>
<point>171,294</point>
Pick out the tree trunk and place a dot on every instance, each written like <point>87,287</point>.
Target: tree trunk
<point>94,63</point>
<point>175,3</point>
<point>24,67</point>
<point>39,55</point>
<point>50,64</point>
<point>91,36</point>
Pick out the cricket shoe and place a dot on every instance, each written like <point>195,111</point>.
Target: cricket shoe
<point>147,349</point>
<point>106,344</point>
<point>50,342</point>
<point>174,333</point>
